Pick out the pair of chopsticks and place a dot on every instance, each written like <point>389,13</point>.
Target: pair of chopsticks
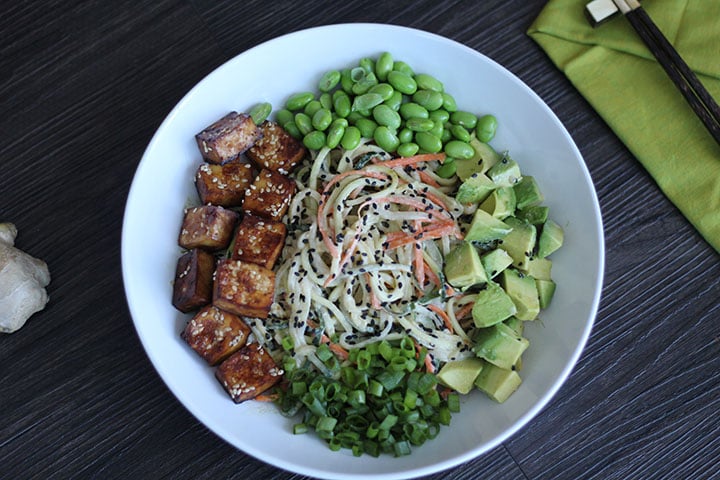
<point>685,80</point>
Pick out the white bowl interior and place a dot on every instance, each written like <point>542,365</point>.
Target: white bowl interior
<point>272,71</point>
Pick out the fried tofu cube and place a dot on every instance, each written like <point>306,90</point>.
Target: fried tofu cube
<point>269,195</point>
<point>243,288</point>
<point>215,334</point>
<point>225,184</point>
<point>208,226</point>
<point>277,150</point>
<point>259,240</point>
<point>193,286</point>
<point>248,372</point>
<point>227,138</point>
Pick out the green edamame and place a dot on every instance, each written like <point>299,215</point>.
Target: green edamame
<point>447,169</point>
<point>341,103</point>
<point>312,107</point>
<point>329,81</point>
<point>335,133</point>
<point>366,126</point>
<point>304,123</point>
<point>314,140</point>
<point>321,119</point>
<point>460,132</point>
<point>386,116</point>
<point>437,129</point>
<point>292,129</point>
<point>395,101</point>
<point>417,124</point>
<point>486,128</point>
<point>441,116</point>
<point>326,100</point>
<point>449,102</point>
<point>260,112</point>
<point>367,101</point>
<point>400,66</point>
<point>466,119</point>
<point>346,81</point>
<point>351,138</point>
<point>384,65</point>
<point>284,116</point>
<point>459,149</point>
<point>428,142</point>
<point>428,82</point>
<point>386,139</point>
<point>367,64</point>
<point>385,90</point>
<point>429,99</point>
<point>407,149</point>
<point>413,110</point>
<point>405,135</point>
<point>402,82</point>
<point>299,100</point>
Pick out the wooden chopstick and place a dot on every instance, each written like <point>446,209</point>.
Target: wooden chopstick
<point>679,72</point>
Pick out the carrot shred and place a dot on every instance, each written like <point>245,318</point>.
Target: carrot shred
<point>425,177</point>
<point>335,348</point>
<point>428,364</point>
<point>464,311</point>
<point>443,315</point>
<point>432,275</point>
<point>404,161</point>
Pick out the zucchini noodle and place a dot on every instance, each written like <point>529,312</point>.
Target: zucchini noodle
<point>363,257</point>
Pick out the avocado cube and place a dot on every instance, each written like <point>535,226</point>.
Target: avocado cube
<point>474,189</point>
<point>501,203</point>
<point>516,324</point>
<point>535,214</point>
<point>495,261</point>
<point>520,242</point>
<point>492,305</point>
<point>484,158</point>
<point>463,267</point>
<point>551,238</point>
<point>498,383</point>
<point>505,173</point>
<point>500,345</point>
<point>523,292</point>
<point>460,375</point>
<point>538,268</point>
<point>527,192</point>
<point>485,228</point>
<point>546,290</point>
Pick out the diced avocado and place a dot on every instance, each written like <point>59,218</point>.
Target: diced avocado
<point>527,192</point>
<point>500,345</point>
<point>486,228</point>
<point>500,203</point>
<point>463,267</point>
<point>522,291</point>
<point>492,305</point>
<point>551,238</point>
<point>546,290</point>
<point>474,189</point>
<point>505,173</point>
<point>516,324</point>
<point>520,242</point>
<point>539,268</point>
<point>497,383</point>
<point>460,375</point>
<point>495,261</point>
<point>536,214</point>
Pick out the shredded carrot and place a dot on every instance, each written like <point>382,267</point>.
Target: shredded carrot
<point>266,397</point>
<point>437,230</point>
<point>428,364</point>
<point>374,301</point>
<point>335,348</point>
<point>404,161</point>
<point>442,314</point>
<point>425,177</point>
<point>464,311</point>
<point>432,275</point>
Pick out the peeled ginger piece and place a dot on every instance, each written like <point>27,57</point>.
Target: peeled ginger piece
<point>23,279</point>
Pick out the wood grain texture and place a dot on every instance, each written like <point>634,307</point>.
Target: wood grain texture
<point>84,84</point>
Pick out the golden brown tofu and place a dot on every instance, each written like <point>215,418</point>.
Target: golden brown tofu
<point>225,184</point>
<point>259,240</point>
<point>193,287</point>
<point>269,195</point>
<point>208,226</point>
<point>243,288</point>
<point>215,334</point>
<point>227,138</point>
<point>248,372</point>
<point>277,150</point>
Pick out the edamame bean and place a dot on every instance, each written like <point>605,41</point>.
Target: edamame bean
<point>449,102</point>
<point>366,126</point>
<point>351,138</point>
<point>329,81</point>
<point>413,110</point>
<point>314,140</point>
<point>428,82</point>
<point>486,128</point>
<point>353,117</point>
<point>428,142</point>
<point>260,112</point>
<point>346,81</point>
<point>386,116</point>
<point>312,107</point>
<point>441,116</point>
<point>400,66</point>
<point>292,129</point>
<point>385,90</point>
<point>446,135</point>
<point>386,139</point>
<point>466,119</point>
<point>429,99</point>
<point>298,101</point>
<point>365,84</point>
<point>367,101</point>
<point>384,65</point>
<point>341,121</point>
<point>357,74</point>
<point>407,149</point>
<point>405,135</point>
<point>417,124</point>
<point>447,169</point>
<point>284,116</point>
<point>335,134</point>
<point>341,103</point>
<point>326,100</point>
<point>459,149</point>
<point>437,129</point>
<point>367,64</point>
<point>395,100</point>
<point>321,119</point>
<point>402,82</point>
<point>460,132</point>
<point>304,123</point>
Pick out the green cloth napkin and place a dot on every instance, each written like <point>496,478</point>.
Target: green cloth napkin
<point>614,70</point>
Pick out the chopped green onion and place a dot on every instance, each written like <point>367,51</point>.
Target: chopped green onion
<point>300,428</point>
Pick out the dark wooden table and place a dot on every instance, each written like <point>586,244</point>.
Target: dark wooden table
<point>83,86</point>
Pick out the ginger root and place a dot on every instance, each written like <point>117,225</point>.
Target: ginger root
<point>23,279</point>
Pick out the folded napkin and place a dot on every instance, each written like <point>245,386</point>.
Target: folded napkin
<point>614,70</point>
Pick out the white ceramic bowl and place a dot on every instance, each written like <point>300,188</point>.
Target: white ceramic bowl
<point>272,71</point>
